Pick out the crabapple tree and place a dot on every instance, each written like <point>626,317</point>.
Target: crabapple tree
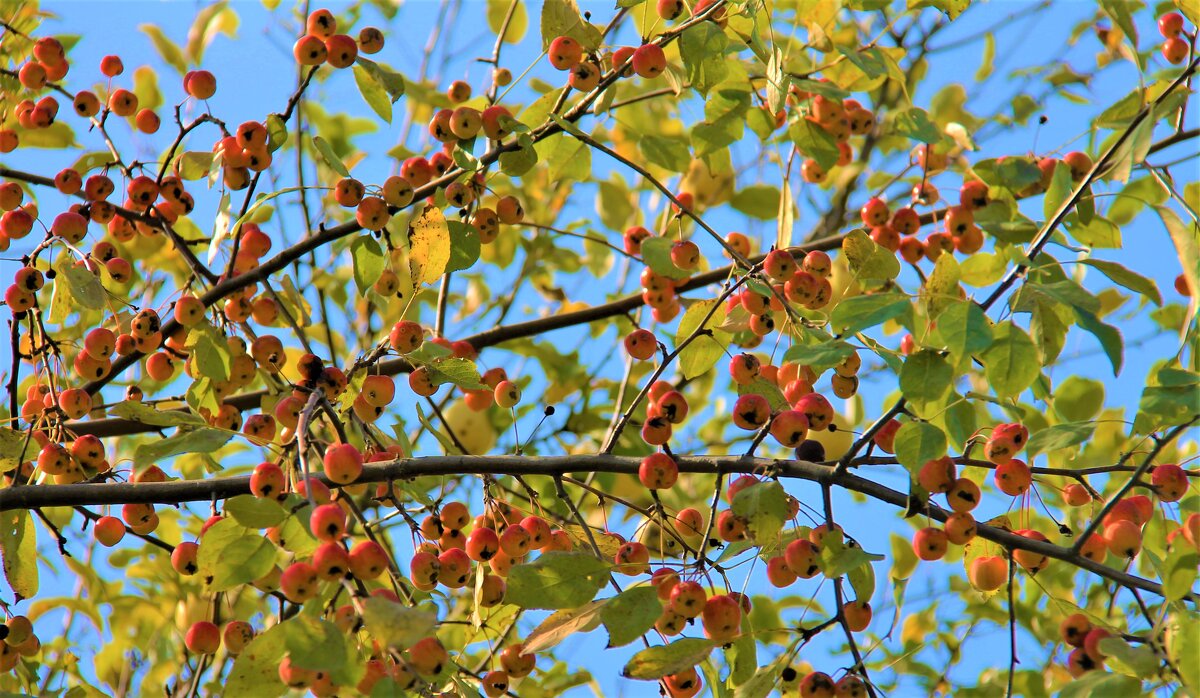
<point>725,347</point>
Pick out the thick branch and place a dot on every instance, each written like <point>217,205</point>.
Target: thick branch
<point>222,488</point>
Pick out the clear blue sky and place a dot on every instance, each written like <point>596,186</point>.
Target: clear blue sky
<point>256,74</point>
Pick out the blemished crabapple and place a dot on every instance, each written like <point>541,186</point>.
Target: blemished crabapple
<point>564,52</point>
<point>930,543</point>
<point>267,481</point>
<point>963,495</point>
<point>751,411</point>
<point>722,617</point>
<point>649,61</point>
<point>658,471</point>
<point>744,368</point>
<point>343,463</point>
<point>857,615</point>
<point>328,522</point>
<point>960,528</point>
<point>790,428</point>
<point>183,558</point>
<point>1013,478</point>
<point>778,572</point>
<point>1032,562</point>
<point>641,344</point>
<point>688,599</point>
<point>817,409</point>
<point>1170,482</point>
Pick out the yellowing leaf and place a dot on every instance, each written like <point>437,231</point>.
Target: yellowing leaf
<point>429,245</point>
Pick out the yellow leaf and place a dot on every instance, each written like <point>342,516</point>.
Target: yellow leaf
<point>429,246</point>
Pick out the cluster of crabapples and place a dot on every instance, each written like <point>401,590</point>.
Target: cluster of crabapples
<point>17,639</point>
<point>808,409</point>
<point>1120,532</point>
<point>1175,46</point>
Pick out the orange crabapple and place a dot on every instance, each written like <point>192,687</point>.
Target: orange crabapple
<point>183,558</point>
<point>203,637</point>
<point>963,495</point>
<point>368,560</point>
<point>1013,478</point>
<point>960,528</point>
<point>722,617</point>
<point>328,522</point>
<point>564,52</point>
<point>649,61</point>
<point>688,599</point>
<point>988,572</point>
<point>658,471</point>
<point>778,572</point>
<point>930,543</point>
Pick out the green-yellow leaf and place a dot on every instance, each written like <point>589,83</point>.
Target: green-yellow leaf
<point>705,350</point>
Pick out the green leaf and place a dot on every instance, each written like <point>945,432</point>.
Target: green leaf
<point>83,286</point>
<point>941,289</point>
<point>982,269</point>
<point>516,163</point>
<point>560,625</point>
<point>210,351</point>
<point>860,312</point>
<point>329,157</point>
<point>914,123</point>
<point>1100,684</point>
<point>255,512</point>
<point>671,153</point>
<point>15,448</point>
<point>704,351</point>
<point>765,678</point>
<point>702,48</point>
<point>904,560</point>
<point>461,372</point>
<point>1109,337</point>
<point>742,657</point>
<point>656,253</point>
<point>369,262</point>
<point>925,379</point>
<point>987,61</point>
<point>391,81</point>
<point>867,259</point>
<point>18,546</point>
<point>630,614</point>
<point>231,555</point>
<point>819,356</point>
<point>656,662</point>
<point>1059,436</point>
<point>562,18</point>
<point>148,414</point>
<point>1012,362</point>
<point>556,580</point>
<point>169,50</point>
<point>758,200</point>
<point>395,625</point>
<point>964,330</point>
<point>464,246</point>
<point>255,672</point>
<point>373,93</point>
<point>815,142</point>
<point>497,10</point>
<point>764,506</point>
<point>1079,399</point>
<point>1180,572</point>
<point>1187,246</point>
<point>1128,279</point>
<point>317,644</point>
<point>1059,190</point>
<point>201,440</point>
<point>93,161</point>
<point>194,165</point>
<point>917,443</point>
